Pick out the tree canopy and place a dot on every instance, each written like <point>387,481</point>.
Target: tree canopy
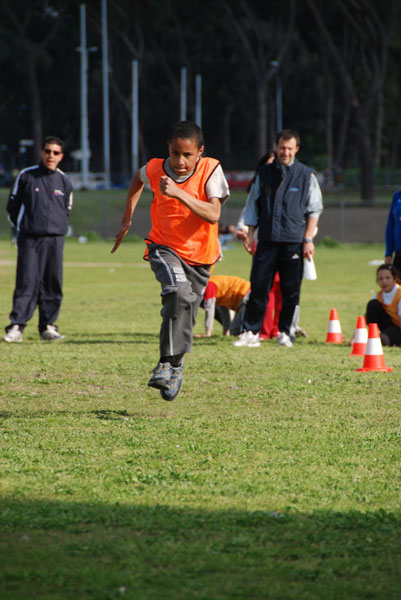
<point>337,63</point>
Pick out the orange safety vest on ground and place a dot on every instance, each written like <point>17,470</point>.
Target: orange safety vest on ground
<point>174,224</point>
<point>391,309</point>
<point>230,290</point>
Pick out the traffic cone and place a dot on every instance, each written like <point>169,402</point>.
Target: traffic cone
<point>374,359</point>
<point>334,335</point>
<point>360,338</point>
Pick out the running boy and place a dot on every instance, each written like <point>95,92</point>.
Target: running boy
<point>188,191</point>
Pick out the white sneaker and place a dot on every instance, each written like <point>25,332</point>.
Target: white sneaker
<point>13,335</point>
<point>284,340</point>
<point>50,334</point>
<point>247,338</point>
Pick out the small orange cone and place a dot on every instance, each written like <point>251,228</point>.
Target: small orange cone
<point>360,338</point>
<point>334,335</point>
<point>374,359</point>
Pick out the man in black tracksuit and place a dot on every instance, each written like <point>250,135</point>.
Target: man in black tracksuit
<point>38,208</point>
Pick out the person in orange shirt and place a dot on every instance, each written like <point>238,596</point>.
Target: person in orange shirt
<point>182,245</point>
<point>224,295</point>
<point>385,307</point>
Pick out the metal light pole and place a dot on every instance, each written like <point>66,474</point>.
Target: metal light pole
<point>106,119</point>
<point>183,106</point>
<point>84,153</point>
<point>135,110</point>
<point>198,105</point>
<point>279,99</point>
<point>84,102</point>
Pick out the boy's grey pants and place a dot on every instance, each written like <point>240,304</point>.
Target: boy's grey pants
<point>182,286</point>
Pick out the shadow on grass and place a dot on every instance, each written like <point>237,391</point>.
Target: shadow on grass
<point>127,338</point>
<point>325,344</point>
<point>106,414</point>
<point>63,550</point>
<point>98,338</point>
<point>110,415</point>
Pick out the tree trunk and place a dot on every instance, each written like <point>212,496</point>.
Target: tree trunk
<point>395,140</point>
<point>329,107</point>
<point>226,137</point>
<point>342,136</point>
<point>272,122</point>
<point>261,118</point>
<point>365,158</point>
<point>34,101</point>
<point>365,144</point>
<point>378,128</point>
<point>123,154</point>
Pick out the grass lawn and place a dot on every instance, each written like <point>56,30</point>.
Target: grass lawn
<point>274,475</point>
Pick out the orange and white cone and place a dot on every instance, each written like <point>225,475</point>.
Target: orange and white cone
<point>360,338</point>
<point>374,359</point>
<point>334,335</point>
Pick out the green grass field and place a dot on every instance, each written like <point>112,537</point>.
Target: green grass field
<point>274,475</point>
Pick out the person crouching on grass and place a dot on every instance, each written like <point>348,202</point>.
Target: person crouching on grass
<point>385,307</point>
<point>188,191</point>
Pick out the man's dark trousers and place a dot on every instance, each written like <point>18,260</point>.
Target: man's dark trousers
<point>39,280</point>
<point>270,257</point>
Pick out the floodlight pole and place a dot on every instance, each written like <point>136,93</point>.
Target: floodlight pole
<point>279,103</point>
<point>106,118</point>
<point>84,101</point>
<point>135,110</point>
<point>183,105</point>
<point>279,99</point>
<point>198,105</point>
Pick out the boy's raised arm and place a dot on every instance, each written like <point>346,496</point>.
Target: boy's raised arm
<point>134,193</point>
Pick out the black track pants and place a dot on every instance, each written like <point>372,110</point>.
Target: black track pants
<point>270,257</point>
<point>39,280</point>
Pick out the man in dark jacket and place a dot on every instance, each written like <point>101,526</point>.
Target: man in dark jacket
<point>284,203</point>
<point>38,208</point>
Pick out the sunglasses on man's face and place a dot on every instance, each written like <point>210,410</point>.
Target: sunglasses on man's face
<point>55,152</point>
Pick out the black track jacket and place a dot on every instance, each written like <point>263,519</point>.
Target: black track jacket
<point>40,201</point>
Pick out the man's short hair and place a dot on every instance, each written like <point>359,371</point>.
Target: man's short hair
<point>186,130</point>
<point>287,134</point>
<point>52,139</point>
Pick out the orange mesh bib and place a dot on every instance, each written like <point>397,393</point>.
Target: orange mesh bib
<point>391,309</point>
<point>175,225</point>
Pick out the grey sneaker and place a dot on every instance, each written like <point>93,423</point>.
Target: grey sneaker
<point>247,338</point>
<point>13,335</point>
<point>50,334</point>
<point>175,384</point>
<point>284,340</point>
<point>161,376</point>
